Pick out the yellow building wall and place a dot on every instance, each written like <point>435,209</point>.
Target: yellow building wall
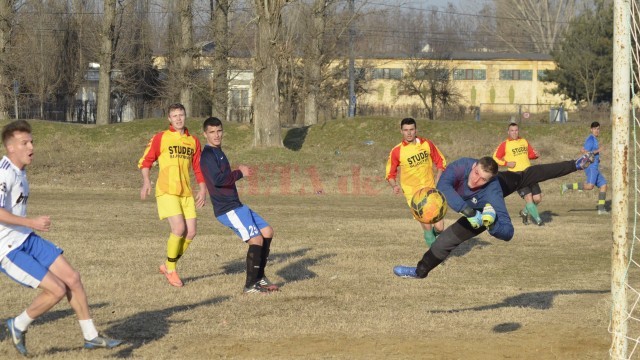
<point>386,91</point>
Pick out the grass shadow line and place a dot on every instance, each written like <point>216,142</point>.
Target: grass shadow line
<point>539,300</point>
<point>239,266</point>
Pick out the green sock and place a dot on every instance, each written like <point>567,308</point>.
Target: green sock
<point>532,209</point>
<point>429,237</point>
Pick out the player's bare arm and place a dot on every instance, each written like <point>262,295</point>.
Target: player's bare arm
<point>146,184</point>
<point>201,195</point>
<point>40,223</point>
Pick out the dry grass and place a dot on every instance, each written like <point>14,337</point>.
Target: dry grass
<point>544,295</point>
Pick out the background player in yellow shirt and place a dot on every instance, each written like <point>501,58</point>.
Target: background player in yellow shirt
<point>515,153</point>
<point>176,151</point>
<point>416,157</point>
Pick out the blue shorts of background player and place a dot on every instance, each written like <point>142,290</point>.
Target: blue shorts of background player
<point>594,176</point>
<point>244,222</point>
<point>29,263</point>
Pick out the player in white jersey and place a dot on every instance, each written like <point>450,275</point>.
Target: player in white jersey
<point>29,259</point>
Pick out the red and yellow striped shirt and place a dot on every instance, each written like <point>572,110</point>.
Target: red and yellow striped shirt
<point>416,161</point>
<point>174,152</point>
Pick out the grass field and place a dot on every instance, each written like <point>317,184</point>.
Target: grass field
<point>339,232</point>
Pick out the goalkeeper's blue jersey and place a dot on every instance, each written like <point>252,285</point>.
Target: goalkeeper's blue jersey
<point>454,185</point>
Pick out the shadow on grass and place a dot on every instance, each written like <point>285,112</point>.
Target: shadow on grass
<point>506,327</point>
<point>299,270</point>
<point>539,300</point>
<point>546,216</point>
<point>239,266</point>
<point>467,246</point>
<point>143,328</point>
<point>196,278</point>
<point>295,138</point>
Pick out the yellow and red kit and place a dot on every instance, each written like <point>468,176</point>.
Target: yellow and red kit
<point>416,160</point>
<point>175,153</point>
<point>518,151</point>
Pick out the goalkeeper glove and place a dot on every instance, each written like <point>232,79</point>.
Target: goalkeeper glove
<point>488,215</point>
<point>475,220</point>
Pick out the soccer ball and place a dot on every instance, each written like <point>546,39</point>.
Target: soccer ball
<point>428,205</point>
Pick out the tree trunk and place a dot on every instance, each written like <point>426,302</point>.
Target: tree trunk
<point>186,55</point>
<point>314,65</point>
<point>6,18</point>
<point>220,88</point>
<point>266,103</point>
<point>106,55</point>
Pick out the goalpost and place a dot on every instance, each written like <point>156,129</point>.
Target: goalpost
<point>623,322</point>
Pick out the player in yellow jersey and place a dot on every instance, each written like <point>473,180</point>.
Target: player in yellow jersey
<point>176,151</point>
<point>515,153</point>
<point>416,157</point>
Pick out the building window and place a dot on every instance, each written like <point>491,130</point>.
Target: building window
<point>395,74</point>
<point>469,74</point>
<point>239,98</point>
<point>516,75</point>
<point>436,74</point>
<point>542,75</point>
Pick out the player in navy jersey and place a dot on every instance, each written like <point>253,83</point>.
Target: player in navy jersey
<point>247,224</point>
<point>29,259</point>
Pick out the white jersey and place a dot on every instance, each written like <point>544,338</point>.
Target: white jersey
<point>14,192</point>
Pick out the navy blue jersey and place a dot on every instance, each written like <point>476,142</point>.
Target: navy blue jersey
<point>453,184</point>
<point>220,180</point>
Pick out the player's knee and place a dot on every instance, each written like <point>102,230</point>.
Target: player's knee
<point>267,232</point>
<point>191,233</point>
<point>73,280</point>
<point>58,290</point>
<point>588,186</point>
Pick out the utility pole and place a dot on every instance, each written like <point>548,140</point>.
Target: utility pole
<point>352,80</point>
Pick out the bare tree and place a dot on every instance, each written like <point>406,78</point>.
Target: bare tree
<point>266,102</point>
<point>315,60</point>
<point>220,84</point>
<point>38,48</point>
<point>186,53</point>
<point>107,37</point>
<point>430,80</point>
<point>532,25</point>
<point>7,14</point>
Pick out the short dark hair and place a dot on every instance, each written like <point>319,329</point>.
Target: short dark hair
<point>489,165</point>
<point>408,121</point>
<point>176,106</point>
<point>595,124</point>
<point>211,121</point>
<point>14,127</point>
<point>512,124</point>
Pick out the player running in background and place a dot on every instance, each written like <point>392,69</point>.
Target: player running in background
<point>176,151</point>
<point>29,259</point>
<point>515,153</point>
<point>248,225</point>
<point>416,157</point>
<point>593,174</point>
<point>468,177</point>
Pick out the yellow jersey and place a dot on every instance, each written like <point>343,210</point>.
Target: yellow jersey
<point>175,153</point>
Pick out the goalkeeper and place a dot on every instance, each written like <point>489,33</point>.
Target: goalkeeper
<point>470,185</point>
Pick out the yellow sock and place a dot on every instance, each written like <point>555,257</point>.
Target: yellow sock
<point>173,249</point>
<point>184,245</point>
